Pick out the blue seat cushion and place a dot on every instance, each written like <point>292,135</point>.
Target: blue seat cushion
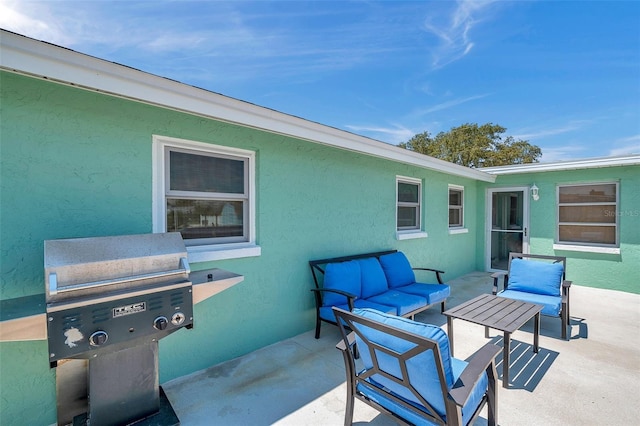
<point>326,312</point>
<point>341,276</point>
<point>552,304</point>
<point>373,279</point>
<point>398,270</point>
<point>383,399</point>
<point>403,302</point>
<point>421,369</point>
<point>535,277</point>
<point>468,409</point>
<point>434,293</point>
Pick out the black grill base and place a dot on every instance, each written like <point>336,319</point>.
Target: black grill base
<point>166,416</point>
<point>123,390</point>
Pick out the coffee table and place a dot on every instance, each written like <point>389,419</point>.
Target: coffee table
<point>500,313</point>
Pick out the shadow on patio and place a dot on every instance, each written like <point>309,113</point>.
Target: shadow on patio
<point>592,379</point>
<point>527,368</point>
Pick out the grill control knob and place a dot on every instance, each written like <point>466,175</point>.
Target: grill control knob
<point>98,338</point>
<point>160,323</point>
<point>177,318</point>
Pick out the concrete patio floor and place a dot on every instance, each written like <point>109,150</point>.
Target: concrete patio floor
<point>592,379</point>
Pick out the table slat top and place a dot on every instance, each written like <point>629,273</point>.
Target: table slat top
<point>496,312</point>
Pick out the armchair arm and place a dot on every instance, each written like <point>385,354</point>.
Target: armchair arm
<point>482,360</point>
<point>350,296</point>
<point>437,271</point>
<point>496,276</point>
<point>566,285</point>
<point>351,337</point>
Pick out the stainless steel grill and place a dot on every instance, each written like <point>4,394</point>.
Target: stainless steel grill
<point>109,301</point>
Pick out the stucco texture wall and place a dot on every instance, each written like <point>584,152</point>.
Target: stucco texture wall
<point>77,164</point>
<point>610,271</point>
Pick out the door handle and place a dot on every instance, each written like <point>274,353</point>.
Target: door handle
<point>525,232</point>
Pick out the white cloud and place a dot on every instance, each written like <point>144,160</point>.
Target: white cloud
<point>19,17</point>
<point>446,105</point>
<point>630,145</point>
<point>453,33</point>
<point>393,135</point>
<point>540,133</point>
<point>561,153</point>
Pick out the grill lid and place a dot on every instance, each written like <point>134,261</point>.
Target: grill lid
<point>92,266</point>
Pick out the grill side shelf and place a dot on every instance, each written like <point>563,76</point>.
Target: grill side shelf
<point>24,318</point>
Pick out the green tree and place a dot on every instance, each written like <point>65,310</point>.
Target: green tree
<point>475,146</point>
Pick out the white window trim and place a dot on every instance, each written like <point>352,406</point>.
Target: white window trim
<point>410,234</point>
<point>456,229</point>
<point>588,247</point>
<point>208,252</point>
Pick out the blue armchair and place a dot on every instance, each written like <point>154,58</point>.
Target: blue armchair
<point>537,279</point>
<point>409,373</point>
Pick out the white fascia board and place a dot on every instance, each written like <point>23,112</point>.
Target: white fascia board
<point>39,59</point>
<point>627,160</point>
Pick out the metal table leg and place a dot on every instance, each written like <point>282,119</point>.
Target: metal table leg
<point>536,332</point>
<point>450,333</point>
<point>505,359</point>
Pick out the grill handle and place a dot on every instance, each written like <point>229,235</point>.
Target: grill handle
<point>54,289</point>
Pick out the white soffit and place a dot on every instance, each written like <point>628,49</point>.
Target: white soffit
<point>626,160</point>
<point>24,55</point>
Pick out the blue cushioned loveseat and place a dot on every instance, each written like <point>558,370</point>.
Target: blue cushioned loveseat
<point>537,279</point>
<point>384,281</point>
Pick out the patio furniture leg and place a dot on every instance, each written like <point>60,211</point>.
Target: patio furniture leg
<point>505,359</point>
<point>318,327</point>
<point>492,398</point>
<point>536,332</point>
<point>450,333</point>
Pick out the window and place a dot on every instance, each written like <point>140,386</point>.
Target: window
<point>588,214</point>
<point>408,204</point>
<point>456,209</point>
<point>205,192</point>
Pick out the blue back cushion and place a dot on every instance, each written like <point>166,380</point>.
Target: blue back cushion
<point>341,276</point>
<point>373,279</point>
<point>398,270</point>
<point>537,277</point>
<point>421,369</point>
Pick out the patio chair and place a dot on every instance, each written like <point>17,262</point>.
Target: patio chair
<point>409,373</point>
<point>537,279</point>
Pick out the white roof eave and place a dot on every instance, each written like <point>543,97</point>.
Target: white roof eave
<point>626,160</point>
<point>39,59</point>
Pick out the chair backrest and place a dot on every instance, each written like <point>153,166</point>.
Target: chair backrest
<point>338,268</point>
<point>538,274</point>
<point>411,360</point>
<point>374,280</point>
<point>398,270</point>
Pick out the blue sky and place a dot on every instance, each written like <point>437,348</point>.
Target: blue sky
<point>563,75</point>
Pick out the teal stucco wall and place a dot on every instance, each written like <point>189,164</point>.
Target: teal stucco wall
<point>610,271</point>
<point>76,163</point>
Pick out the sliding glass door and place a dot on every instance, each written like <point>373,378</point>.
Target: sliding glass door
<point>507,225</point>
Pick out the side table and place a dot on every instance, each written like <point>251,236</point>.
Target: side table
<point>500,313</point>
